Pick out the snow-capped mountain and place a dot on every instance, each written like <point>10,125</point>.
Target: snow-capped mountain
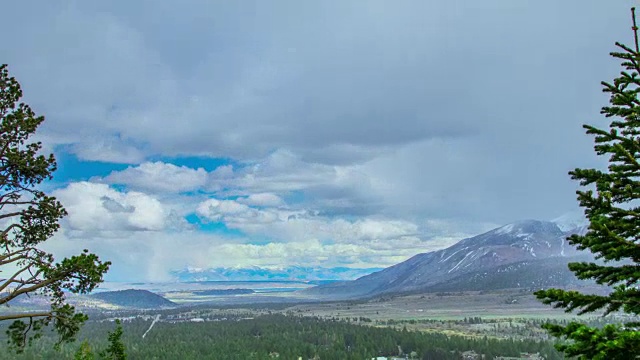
<point>522,246</point>
<point>573,221</point>
<point>293,273</point>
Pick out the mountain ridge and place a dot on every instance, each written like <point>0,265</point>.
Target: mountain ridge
<point>529,242</point>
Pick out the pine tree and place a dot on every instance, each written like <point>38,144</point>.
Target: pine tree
<point>612,208</point>
<point>29,218</point>
<point>116,349</point>
<point>84,352</point>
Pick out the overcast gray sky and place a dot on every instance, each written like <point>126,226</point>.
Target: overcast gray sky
<point>276,133</point>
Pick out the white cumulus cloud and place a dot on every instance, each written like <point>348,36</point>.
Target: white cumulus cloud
<point>160,177</point>
<point>262,199</point>
<point>97,207</point>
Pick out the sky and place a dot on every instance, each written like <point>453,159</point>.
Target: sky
<point>199,134</point>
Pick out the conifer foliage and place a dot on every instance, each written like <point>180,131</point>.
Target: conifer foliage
<point>611,201</point>
<point>28,218</point>
<point>116,349</point>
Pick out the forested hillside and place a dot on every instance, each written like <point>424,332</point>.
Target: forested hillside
<point>136,299</point>
<point>286,337</point>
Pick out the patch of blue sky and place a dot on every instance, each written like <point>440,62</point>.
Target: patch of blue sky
<point>119,187</point>
<point>195,193</point>
<point>294,197</point>
<point>72,169</point>
<point>326,242</point>
<point>214,227</point>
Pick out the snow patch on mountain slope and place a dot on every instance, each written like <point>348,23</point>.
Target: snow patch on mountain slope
<point>571,221</point>
<point>460,262</point>
<point>505,229</point>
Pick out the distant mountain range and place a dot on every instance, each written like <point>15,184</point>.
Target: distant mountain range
<point>525,254</point>
<point>293,273</point>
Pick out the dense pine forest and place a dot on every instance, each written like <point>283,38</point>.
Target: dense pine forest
<point>281,336</point>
